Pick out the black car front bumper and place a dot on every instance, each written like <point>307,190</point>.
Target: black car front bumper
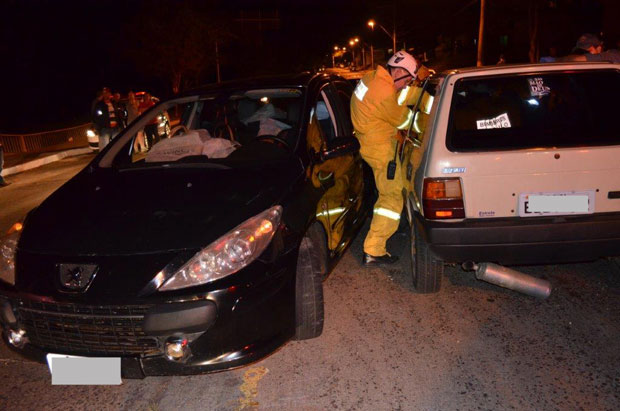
<point>226,327</point>
<point>532,240</point>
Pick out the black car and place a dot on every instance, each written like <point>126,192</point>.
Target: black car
<point>204,253</point>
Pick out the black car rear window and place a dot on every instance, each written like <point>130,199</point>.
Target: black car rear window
<point>549,109</point>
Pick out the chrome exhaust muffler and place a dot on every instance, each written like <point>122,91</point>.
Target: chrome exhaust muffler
<point>511,279</point>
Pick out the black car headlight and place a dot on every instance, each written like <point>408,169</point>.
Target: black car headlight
<point>229,253</point>
<point>8,245</point>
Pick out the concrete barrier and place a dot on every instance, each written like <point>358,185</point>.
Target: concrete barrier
<point>44,160</point>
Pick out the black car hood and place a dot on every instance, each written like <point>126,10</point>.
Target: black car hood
<point>112,212</point>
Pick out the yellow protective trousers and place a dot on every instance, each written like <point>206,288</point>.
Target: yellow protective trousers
<point>389,205</point>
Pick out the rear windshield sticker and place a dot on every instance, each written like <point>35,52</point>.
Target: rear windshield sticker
<point>453,170</point>
<point>537,87</point>
<point>500,121</point>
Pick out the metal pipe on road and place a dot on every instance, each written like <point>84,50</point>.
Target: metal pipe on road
<point>511,279</point>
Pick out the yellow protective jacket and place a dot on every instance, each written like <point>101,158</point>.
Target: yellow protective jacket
<point>375,109</point>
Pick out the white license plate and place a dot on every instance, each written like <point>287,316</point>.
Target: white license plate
<point>556,203</point>
<point>74,370</point>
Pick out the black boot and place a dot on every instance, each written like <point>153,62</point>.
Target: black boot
<point>387,259</point>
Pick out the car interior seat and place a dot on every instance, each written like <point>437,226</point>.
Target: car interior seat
<point>246,132</point>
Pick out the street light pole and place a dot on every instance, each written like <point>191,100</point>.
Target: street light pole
<point>393,39</point>
<point>352,43</point>
<point>372,24</point>
<point>217,63</point>
<point>372,57</point>
<point>481,34</point>
<point>334,56</point>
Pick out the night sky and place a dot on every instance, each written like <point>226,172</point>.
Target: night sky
<point>56,54</point>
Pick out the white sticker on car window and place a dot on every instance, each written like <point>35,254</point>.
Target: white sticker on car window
<point>501,121</point>
<point>537,87</point>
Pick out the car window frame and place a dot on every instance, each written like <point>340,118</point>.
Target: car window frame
<point>324,92</point>
<point>450,130</point>
<point>346,125</point>
<point>113,149</point>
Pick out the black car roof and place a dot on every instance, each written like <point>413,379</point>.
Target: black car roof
<point>288,80</point>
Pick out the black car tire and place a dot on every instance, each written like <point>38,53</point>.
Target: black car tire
<point>311,269</point>
<point>426,268</point>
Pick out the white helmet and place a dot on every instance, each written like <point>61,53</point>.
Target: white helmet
<point>404,60</point>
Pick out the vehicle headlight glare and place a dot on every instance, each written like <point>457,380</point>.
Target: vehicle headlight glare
<point>228,254</point>
<point>90,133</point>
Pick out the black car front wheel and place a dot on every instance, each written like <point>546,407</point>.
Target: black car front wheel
<point>311,269</point>
<point>426,268</point>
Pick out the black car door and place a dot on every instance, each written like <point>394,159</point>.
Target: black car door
<point>339,208</point>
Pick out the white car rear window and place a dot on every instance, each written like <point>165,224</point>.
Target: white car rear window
<point>549,109</point>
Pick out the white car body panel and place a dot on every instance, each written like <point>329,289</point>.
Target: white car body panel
<point>493,180</point>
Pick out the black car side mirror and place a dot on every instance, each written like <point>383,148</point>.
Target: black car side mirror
<point>338,147</point>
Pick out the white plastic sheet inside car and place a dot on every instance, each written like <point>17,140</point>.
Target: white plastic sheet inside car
<point>265,112</point>
<point>193,143</point>
<point>269,126</point>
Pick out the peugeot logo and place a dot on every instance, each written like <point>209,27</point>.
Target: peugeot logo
<point>76,277</point>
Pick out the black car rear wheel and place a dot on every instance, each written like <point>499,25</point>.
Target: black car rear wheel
<point>311,269</point>
<point>426,268</point>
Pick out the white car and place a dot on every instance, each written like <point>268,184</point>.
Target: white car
<point>514,165</point>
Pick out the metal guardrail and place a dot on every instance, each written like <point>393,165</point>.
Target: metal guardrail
<point>55,140</point>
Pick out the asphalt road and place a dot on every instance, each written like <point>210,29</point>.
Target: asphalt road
<point>470,346</point>
<point>29,188</point>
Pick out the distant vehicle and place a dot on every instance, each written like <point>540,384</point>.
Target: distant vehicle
<point>204,252</point>
<point>514,165</point>
<point>351,76</point>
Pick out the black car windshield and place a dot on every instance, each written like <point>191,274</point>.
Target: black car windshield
<point>548,109</point>
<point>236,128</point>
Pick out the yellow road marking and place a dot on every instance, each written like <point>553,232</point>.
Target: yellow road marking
<point>249,388</point>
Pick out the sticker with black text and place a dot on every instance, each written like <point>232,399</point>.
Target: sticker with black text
<point>501,121</point>
<point>537,87</point>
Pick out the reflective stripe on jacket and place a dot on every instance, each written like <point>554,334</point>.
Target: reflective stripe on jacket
<point>375,109</point>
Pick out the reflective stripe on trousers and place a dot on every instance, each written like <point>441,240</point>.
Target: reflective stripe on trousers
<point>387,213</point>
<point>389,205</point>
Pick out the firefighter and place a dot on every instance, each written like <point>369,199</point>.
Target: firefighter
<point>378,111</point>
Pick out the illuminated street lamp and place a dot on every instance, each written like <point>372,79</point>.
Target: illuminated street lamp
<point>352,43</point>
<point>336,48</point>
<point>372,24</point>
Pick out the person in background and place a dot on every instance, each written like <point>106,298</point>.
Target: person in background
<point>132,114</point>
<point>150,130</point>
<point>121,110</point>
<point>97,99</point>
<point>590,48</point>
<point>551,57</point>
<point>3,182</point>
<point>105,119</point>
<point>132,107</point>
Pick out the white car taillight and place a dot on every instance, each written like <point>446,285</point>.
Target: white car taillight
<point>443,198</point>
